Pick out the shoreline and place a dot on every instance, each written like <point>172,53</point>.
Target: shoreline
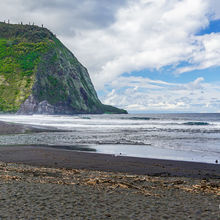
<point>63,158</point>
<point>7,128</point>
<point>59,158</point>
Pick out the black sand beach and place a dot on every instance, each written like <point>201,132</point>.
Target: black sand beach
<point>43,182</point>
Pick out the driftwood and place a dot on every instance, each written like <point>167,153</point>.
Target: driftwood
<point>113,182</point>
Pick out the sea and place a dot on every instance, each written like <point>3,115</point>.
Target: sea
<point>185,137</point>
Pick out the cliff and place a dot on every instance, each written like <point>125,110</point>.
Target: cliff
<point>39,75</point>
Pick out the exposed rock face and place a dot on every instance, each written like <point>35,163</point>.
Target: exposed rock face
<point>39,75</point>
<point>31,106</point>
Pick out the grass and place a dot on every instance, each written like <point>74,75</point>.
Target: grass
<point>18,62</point>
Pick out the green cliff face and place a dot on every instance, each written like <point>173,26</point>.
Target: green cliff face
<point>38,74</point>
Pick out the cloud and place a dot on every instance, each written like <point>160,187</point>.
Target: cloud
<point>195,85</point>
<point>146,34</point>
<point>206,53</point>
<point>215,9</point>
<point>62,16</point>
<point>141,95</point>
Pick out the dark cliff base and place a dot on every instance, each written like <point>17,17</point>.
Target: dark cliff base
<point>58,158</point>
<point>32,106</point>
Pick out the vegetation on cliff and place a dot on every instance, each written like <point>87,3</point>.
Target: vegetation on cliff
<point>34,63</point>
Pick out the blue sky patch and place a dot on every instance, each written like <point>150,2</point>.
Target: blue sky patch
<point>214,27</point>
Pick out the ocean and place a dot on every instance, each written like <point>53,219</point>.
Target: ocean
<point>187,137</point>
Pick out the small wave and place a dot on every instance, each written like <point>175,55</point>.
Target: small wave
<point>85,117</point>
<point>196,123</point>
<point>141,118</point>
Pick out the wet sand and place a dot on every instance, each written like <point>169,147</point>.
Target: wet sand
<point>58,158</point>
<point>10,128</point>
<point>7,128</point>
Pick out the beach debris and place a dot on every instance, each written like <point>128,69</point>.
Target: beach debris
<point>208,187</point>
<point>108,181</point>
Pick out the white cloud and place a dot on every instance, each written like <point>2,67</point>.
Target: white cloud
<point>142,95</point>
<point>207,53</point>
<point>145,34</point>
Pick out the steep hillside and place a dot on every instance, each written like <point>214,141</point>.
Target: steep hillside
<point>39,75</point>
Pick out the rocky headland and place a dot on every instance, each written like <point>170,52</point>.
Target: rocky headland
<point>39,75</point>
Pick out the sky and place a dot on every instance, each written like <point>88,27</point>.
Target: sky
<point>142,55</point>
